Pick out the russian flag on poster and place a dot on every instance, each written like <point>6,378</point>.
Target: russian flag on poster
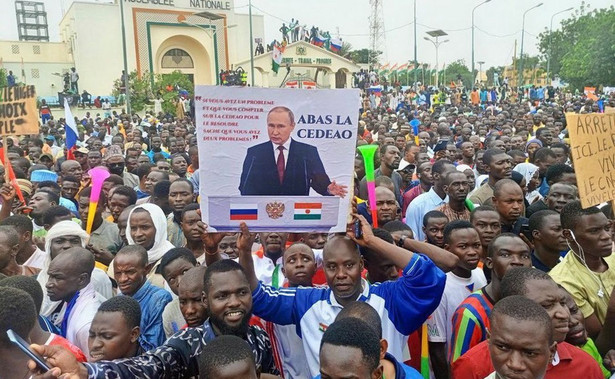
<point>241,212</point>
<point>335,45</point>
<point>308,211</point>
<point>72,135</point>
<point>319,40</point>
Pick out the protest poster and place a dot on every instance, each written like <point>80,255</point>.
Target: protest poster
<point>278,159</point>
<point>592,142</point>
<point>18,111</point>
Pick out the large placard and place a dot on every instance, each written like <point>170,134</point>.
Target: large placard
<point>18,111</point>
<point>592,140</point>
<point>278,159</point>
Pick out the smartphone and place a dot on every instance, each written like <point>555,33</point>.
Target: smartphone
<point>525,230</point>
<point>25,347</point>
<point>357,229</point>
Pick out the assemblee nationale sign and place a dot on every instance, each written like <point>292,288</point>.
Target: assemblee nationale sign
<point>592,141</point>
<point>213,5</point>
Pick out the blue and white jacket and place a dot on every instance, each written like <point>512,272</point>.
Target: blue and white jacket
<point>403,306</point>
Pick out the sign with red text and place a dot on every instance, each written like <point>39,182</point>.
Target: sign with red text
<point>277,159</point>
<point>592,142</point>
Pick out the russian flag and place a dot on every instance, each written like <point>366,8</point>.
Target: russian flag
<point>335,45</point>
<point>241,212</point>
<point>319,40</point>
<point>72,135</point>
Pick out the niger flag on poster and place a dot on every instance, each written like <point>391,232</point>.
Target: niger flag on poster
<point>308,211</point>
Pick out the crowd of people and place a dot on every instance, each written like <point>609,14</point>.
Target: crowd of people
<point>483,263</point>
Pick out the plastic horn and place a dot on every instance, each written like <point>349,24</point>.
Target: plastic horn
<point>368,151</point>
<point>98,176</point>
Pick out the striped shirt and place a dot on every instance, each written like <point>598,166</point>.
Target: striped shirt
<point>470,323</point>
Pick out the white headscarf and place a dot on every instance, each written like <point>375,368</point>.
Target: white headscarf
<point>161,245</point>
<point>528,170</point>
<point>62,228</point>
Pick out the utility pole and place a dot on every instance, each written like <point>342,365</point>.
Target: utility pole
<point>126,75</point>
<point>522,38</point>
<point>484,2</point>
<point>416,63</point>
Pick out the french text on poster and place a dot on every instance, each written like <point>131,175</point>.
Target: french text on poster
<point>18,111</point>
<point>592,141</point>
<point>277,159</point>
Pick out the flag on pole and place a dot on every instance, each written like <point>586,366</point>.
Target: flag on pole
<point>72,134</point>
<point>393,68</point>
<point>276,58</point>
<point>335,45</point>
<point>402,68</point>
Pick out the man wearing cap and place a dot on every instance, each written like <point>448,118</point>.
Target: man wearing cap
<point>81,156</point>
<point>50,146</point>
<point>46,159</point>
<point>114,160</point>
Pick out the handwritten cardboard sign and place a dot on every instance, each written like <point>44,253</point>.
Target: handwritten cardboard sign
<point>18,112</point>
<point>244,176</point>
<point>592,140</point>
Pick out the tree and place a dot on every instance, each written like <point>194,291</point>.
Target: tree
<point>582,52</point>
<point>168,87</point>
<point>454,71</point>
<point>3,81</point>
<point>140,90</point>
<point>365,56</point>
<point>492,70</point>
<point>345,50</point>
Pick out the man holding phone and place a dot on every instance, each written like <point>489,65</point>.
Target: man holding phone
<point>18,314</point>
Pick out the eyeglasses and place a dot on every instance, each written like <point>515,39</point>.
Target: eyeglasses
<point>113,165</point>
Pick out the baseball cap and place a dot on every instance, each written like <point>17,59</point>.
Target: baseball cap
<point>50,138</point>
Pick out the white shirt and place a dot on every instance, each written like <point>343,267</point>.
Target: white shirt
<point>456,289</point>
<point>276,152</point>
<point>37,259</point>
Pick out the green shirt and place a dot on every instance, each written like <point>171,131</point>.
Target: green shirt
<point>591,349</point>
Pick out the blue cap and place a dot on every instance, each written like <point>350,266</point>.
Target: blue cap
<point>43,175</point>
<point>50,138</point>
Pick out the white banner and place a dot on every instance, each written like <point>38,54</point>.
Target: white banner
<point>278,159</point>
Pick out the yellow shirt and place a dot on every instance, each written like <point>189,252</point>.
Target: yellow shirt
<point>583,285</point>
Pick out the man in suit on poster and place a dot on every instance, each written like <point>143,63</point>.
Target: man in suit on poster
<point>283,166</point>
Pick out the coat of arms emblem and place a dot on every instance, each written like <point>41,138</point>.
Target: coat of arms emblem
<point>275,210</point>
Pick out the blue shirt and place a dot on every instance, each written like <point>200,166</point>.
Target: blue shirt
<point>152,301</point>
<point>403,306</point>
<point>151,153</point>
<point>544,188</point>
<point>422,204</point>
<point>140,194</point>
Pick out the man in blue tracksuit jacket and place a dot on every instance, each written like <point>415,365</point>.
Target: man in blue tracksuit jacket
<point>403,305</point>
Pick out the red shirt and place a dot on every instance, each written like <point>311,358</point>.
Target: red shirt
<point>573,363</point>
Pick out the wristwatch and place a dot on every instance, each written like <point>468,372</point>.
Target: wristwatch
<point>401,240</point>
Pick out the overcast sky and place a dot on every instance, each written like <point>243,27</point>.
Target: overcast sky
<point>498,24</point>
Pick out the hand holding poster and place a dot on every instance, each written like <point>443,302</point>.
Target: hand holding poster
<point>277,159</point>
<point>592,141</point>
<point>18,112</point>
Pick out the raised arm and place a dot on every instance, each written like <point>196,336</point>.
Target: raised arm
<point>444,259</point>
<point>244,245</point>
<point>399,256</point>
<point>211,241</point>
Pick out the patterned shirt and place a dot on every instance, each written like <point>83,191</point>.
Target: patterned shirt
<point>470,323</point>
<point>178,356</point>
<point>453,214</point>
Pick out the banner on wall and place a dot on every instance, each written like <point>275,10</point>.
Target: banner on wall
<point>277,159</point>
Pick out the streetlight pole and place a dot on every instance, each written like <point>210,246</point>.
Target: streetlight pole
<point>480,71</point>
<point>436,44</point>
<point>520,80</point>
<point>126,75</point>
<point>251,45</point>
<point>416,63</point>
<point>473,77</point>
<point>550,33</point>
